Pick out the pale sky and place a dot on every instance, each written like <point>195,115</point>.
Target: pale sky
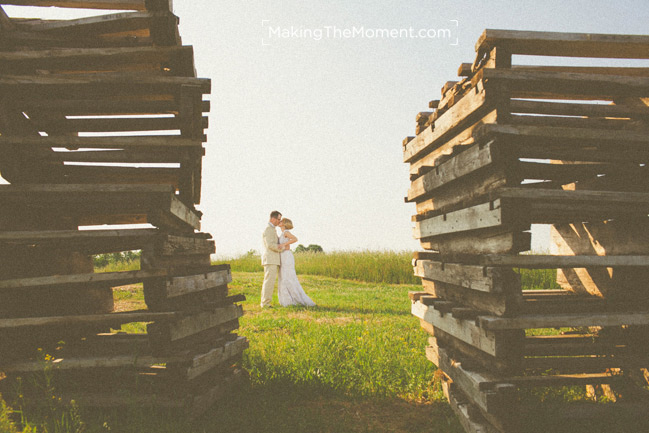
<point>313,128</point>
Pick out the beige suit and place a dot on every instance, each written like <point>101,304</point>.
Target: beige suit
<point>270,261</point>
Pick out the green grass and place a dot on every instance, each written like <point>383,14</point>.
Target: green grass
<point>353,363</point>
<point>374,266</point>
<point>370,266</point>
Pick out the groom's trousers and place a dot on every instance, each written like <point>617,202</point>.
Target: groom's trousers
<point>270,275</point>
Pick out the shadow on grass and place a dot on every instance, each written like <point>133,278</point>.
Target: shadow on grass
<point>283,407</point>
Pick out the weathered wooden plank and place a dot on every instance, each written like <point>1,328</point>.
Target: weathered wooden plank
<point>560,134</point>
<point>472,159</point>
<point>120,175</point>
<point>465,70</point>
<point>577,109</point>
<point>173,245</point>
<point>583,196</point>
<point>465,413</point>
<point>463,330</point>
<point>123,106</point>
<point>624,238</point>
<point>578,122</point>
<point>96,25</point>
<point>152,155</point>
<point>572,345</point>
<point>492,403</point>
<point>98,204</point>
<point>92,85</point>
<point>601,238</point>
<point>178,286</point>
<point>103,319</point>
<point>498,304</point>
<point>463,137</point>
<point>538,261</point>
<point>461,113</point>
<point>565,84</point>
<point>124,124</point>
<point>138,5</point>
<point>486,215</point>
<point>163,59</point>
<point>89,362</point>
<point>206,361</point>
<point>576,364</point>
<point>165,333</point>
<point>86,280</point>
<point>467,190</point>
<point>565,44</point>
<point>185,214</point>
<point>160,141</point>
<point>484,279</point>
<point>74,236</point>
<point>489,241</point>
<point>564,320</point>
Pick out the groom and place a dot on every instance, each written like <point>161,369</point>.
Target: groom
<point>270,259</point>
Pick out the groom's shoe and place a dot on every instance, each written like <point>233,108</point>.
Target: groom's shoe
<point>266,306</point>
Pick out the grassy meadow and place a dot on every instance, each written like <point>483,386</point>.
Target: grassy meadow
<point>353,363</point>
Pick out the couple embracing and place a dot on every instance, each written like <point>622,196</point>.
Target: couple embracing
<point>278,258</point>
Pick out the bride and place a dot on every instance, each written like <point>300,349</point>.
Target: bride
<point>289,290</point>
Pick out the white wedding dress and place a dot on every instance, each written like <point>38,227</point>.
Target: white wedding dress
<point>290,290</point>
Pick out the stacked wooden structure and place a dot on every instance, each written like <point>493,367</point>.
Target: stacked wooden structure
<point>512,145</point>
<point>101,123</point>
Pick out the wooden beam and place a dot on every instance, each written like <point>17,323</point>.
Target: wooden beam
<point>472,159</point>
<point>464,111</point>
<point>476,217</point>
<point>137,5</point>
<point>163,334</point>
<point>102,279</point>
<point>564,320</point>
<point>498,304</point>
<point>563,85</point>
<point>96,25</point>
<point>105,204</point>
<point>566,44</point>
<point>76,107</point>
<point>480,278</point>
<point>183,285</point>
<point>205,362</point>
<point>135,142</point>
<point>466,331</point>
<point>94,85</point>
<point>577,109</point>
<point>490,401</point>
<point>85,241</point>
<point>92,319</point>
<point>98,59</point>
<point>608,238</point>
<point>538,261</point>
<point>488,241</point>
<point>445,148</point>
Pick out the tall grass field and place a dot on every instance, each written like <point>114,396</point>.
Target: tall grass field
<point>353,363</point>
<point>371,266</point>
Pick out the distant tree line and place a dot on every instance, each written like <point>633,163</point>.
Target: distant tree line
<point>101,260</point>
<point>312,248</point>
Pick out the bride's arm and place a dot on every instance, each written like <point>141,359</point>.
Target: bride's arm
<point>291,239</point>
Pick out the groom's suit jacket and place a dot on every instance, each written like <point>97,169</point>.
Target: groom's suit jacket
<point>270,255</point>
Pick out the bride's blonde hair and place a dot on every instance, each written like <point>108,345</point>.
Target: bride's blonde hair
<point>288,224</point>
